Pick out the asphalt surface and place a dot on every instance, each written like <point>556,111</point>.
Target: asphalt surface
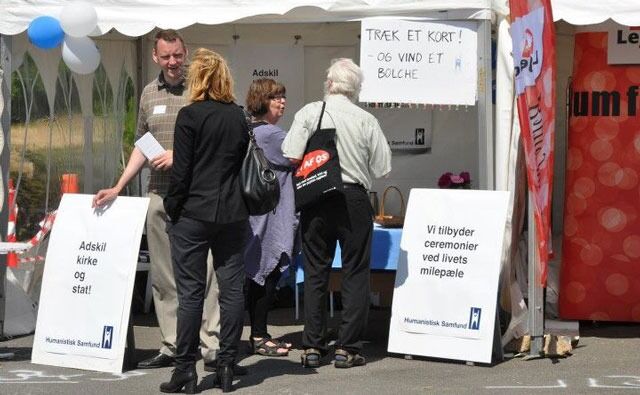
<point>606,361</point>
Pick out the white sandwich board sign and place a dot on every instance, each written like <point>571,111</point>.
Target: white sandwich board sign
<point>444,302</point>
<point>87,284</point>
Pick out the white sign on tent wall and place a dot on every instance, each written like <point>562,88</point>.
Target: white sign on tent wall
<point>419,62</point>
<point>281,62</point>
<point>406,129</point>
<point>88,283</point>
<point>623,45</point>
<point>444,301</point>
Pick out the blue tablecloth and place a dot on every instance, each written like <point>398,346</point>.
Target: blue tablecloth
<point>385,249</point>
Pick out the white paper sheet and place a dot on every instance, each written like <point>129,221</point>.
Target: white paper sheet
<point>149,146</point>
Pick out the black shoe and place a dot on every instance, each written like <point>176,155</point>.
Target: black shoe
<point>224,378</point>
<point>159,361</point>
<point>187,380</point>
<point>238,370</point>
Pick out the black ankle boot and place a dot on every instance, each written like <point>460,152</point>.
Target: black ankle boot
<point>187,380</point>
<point>224,377</point>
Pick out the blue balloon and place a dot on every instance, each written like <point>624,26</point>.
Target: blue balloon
<point>45,32</point>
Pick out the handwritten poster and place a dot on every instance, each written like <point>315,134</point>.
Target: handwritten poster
<point>88,284</point>
<point>419,62</point>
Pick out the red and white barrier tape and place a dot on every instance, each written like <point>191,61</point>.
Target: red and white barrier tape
<point>45,227</point>
<point>33,259</point>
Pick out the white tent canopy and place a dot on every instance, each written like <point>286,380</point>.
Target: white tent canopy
<point>138,17</point>
<point>580,12</point>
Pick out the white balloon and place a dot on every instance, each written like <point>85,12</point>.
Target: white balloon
<point>80,54</point>
<point>78,19</point>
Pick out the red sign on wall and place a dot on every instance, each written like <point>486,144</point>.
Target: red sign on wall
<point>600,277</point>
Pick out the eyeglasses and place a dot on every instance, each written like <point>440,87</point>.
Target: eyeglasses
<point>278,97</point>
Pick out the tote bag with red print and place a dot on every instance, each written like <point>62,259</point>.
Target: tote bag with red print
<point>319,175</point>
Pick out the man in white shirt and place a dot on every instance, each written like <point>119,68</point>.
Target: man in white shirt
<point>347,217</point>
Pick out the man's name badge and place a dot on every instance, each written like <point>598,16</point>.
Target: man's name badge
<point>161,109</point>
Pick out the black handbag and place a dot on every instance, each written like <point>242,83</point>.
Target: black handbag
<point>319,175</point>
<point>260,186</point>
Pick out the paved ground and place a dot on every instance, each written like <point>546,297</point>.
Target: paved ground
<point>606,361</point>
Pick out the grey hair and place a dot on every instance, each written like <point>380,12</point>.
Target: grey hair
<point>344,77</point>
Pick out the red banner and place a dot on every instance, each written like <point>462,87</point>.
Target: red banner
<point>600,276</point>
<point>533,38</point>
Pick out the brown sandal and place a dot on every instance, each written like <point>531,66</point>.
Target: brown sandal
<point>310,358</point>
<point>345,359</point>
<point>261,347</point>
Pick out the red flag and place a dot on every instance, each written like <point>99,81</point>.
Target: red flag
<point>533,36</point>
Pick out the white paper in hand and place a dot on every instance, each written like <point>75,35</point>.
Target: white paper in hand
<point>149,146</point>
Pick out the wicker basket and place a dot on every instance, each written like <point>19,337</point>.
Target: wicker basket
<point>391,221</point>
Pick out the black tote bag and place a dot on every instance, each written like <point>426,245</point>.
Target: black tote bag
<point>319,175</point>
<point>260,186</point>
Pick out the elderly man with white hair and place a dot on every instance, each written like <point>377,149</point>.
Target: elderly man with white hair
<point>346,217</point>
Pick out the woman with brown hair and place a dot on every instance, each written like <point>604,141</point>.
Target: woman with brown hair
<point>269,249</point>
<point>207,212</point>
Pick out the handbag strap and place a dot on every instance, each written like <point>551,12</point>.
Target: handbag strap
<point>324,104</point>
<point>247,118</point>
<point>252,137</point>
<point>255,124</point>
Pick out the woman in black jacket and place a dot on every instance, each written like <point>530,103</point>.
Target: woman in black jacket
<point>206,211</point>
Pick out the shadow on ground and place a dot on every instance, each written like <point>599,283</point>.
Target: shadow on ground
<point>609,329</point>
<point>19,353</point>
<point>267,368</point>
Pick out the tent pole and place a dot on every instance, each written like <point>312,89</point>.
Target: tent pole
<point>485,113</point>
<point>535,291</point>
<point>5,123</point>
<point>141,52</point>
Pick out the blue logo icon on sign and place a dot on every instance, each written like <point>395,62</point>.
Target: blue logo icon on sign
<point>474,318</point>
<point>107,335</point>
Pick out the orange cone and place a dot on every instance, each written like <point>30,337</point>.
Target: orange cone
<point>69,183</point>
